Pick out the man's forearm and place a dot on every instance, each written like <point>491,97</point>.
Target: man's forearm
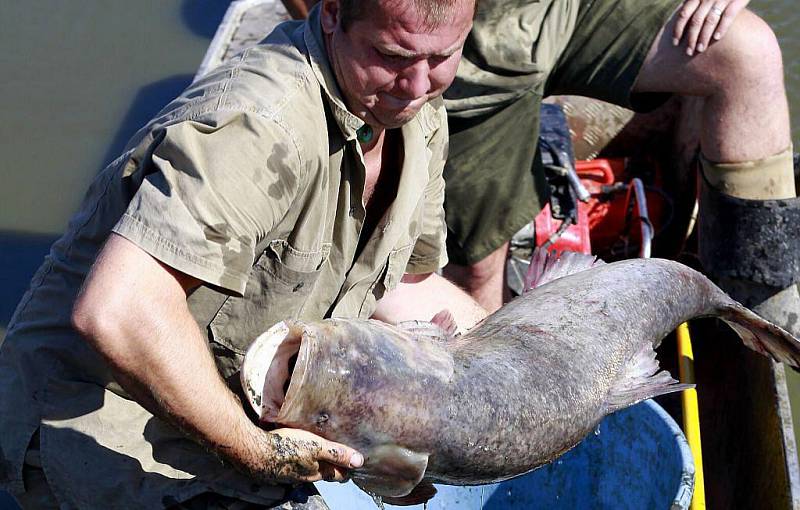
<point>169,370</point>
<point>420,297</point>
<point>178,382</point>
<point>158,353</point>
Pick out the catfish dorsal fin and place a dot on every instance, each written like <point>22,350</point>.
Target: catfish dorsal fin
<point>546,267</point>
<point>641,380</point>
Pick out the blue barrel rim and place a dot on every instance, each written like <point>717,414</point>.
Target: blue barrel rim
<point>683,495</point>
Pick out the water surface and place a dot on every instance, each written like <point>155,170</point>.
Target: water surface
<point>79,78</point>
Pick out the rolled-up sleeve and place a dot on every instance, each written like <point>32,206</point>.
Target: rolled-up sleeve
<point>430,251</point>
<point>213,188</point>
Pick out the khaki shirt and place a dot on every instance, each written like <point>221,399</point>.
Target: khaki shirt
<point>251,181</point>
<point>513,46</point>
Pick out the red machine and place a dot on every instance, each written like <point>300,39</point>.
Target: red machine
<point>616,218</point>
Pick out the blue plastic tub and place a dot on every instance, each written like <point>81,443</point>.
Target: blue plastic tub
<point>637,459</point>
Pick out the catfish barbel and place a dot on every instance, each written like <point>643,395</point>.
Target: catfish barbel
<point>521,388</point>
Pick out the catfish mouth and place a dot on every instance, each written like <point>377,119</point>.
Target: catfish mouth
<point>274,369</point>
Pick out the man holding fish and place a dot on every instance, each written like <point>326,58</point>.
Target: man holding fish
<point>635,54</point>
<point>301,179</point>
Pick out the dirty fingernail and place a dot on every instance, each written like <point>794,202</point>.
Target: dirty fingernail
<point>356,460</point>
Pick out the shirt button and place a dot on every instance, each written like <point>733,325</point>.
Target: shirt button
<point>352,211</point>
<point>298,287</point>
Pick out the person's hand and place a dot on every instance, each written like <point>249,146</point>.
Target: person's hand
<point>296,456</point>
<point>700,21</point>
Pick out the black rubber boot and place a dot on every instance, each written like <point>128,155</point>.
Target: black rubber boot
<point>751,248</point>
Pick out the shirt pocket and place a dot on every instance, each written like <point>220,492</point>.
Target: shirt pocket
<point>280,283</point>
<point>388,278</point>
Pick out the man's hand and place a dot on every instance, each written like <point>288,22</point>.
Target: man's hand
<point>701,20</point>
<point>295,456</point>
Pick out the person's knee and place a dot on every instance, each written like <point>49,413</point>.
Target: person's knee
<point>749,54</point>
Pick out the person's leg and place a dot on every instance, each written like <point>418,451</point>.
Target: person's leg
<point>494,187</point>
<point>484,280</point>
<point>745,114</point>
<point>748,204</point>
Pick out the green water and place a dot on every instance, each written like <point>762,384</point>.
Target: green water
<point>78,78</point>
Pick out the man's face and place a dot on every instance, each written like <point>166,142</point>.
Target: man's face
<point>390,63</point>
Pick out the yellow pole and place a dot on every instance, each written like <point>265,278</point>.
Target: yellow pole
<point>691,414</point>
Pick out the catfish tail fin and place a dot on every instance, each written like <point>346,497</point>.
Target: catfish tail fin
<point>761,335</point>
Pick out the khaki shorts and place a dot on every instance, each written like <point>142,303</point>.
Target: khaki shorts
<point>493,173</point>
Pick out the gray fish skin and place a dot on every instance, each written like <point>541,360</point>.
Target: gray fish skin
<point>520,389</point>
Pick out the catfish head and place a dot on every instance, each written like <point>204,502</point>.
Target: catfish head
<point>357,382</point>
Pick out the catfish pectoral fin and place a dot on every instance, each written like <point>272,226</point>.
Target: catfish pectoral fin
<point>391,470</point>
<point>430,330</point>
<point>420,494</point>
<point>762,336</point>
<point>641,380</point>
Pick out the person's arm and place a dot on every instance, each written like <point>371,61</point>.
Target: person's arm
<point>132,310</point>
<point>421,296</point>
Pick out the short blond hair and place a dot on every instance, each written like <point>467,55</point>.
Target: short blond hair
<point>434,12</point>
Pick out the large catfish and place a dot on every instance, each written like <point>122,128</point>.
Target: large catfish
<point>521,388</point>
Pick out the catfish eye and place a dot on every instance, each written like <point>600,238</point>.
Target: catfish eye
<point>322,419</point>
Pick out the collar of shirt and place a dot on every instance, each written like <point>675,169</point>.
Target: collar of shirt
<point>321,67</point>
